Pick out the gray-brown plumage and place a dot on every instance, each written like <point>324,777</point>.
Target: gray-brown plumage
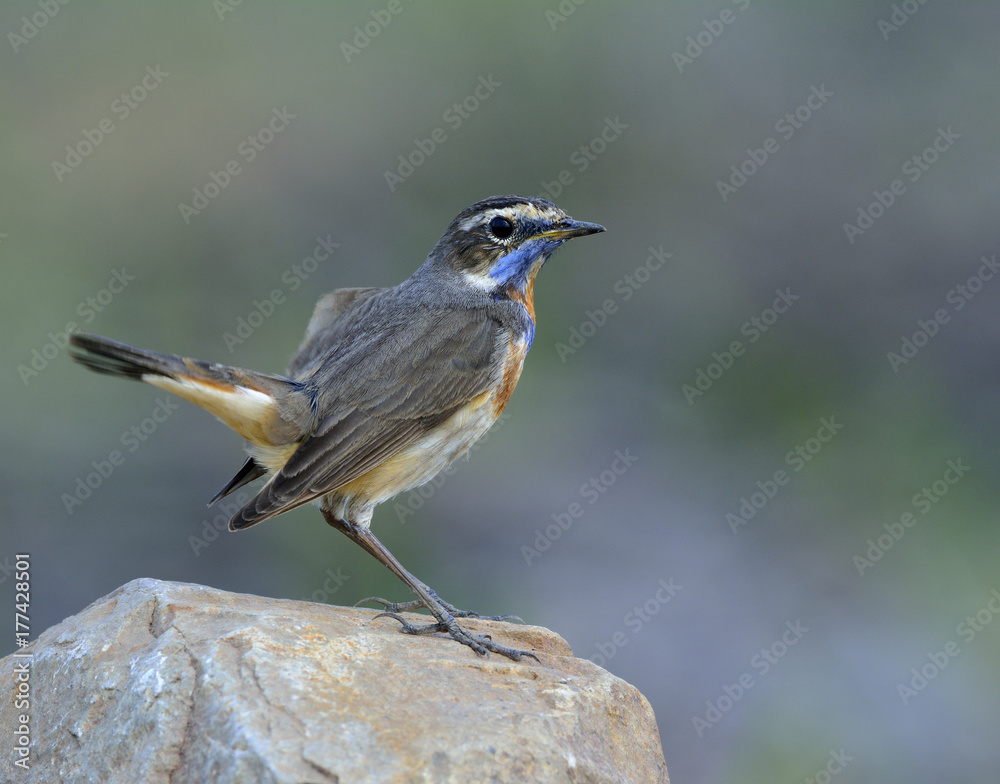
<point>389,385</point>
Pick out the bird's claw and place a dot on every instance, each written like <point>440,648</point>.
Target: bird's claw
<point>481,644</point>
<point>409,628</point>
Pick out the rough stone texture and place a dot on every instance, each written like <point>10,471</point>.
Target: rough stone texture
<point>169,682</point>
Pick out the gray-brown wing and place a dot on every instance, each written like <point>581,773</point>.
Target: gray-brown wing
<point>331,320</point>
<point>405,384</point>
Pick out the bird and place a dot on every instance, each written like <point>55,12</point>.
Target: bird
<point>388,387</point>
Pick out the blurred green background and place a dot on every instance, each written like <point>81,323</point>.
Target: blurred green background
<point>767,645</point>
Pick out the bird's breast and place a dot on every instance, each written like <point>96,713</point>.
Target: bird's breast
<point>513,363</point>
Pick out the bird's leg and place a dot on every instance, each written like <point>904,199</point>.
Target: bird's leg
<point>446,622</point>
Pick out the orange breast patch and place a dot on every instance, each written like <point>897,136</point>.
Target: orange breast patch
<point>526,297</point>
<point>511,373</point>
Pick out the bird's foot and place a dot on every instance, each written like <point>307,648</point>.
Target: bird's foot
<point>391,608</point>
<point>481,644</point>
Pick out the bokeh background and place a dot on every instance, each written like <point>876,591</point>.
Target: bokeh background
<point>652,580</point>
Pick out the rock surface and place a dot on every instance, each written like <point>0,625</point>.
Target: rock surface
<point>169,682</point>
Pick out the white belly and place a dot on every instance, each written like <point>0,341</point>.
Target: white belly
<point>418,463</point>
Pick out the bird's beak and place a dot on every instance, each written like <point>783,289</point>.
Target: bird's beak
<point>569,228</point>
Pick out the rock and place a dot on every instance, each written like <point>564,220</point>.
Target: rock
<point>169,682</point>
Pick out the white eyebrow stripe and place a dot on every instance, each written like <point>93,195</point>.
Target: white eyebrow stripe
<point>520,212</point>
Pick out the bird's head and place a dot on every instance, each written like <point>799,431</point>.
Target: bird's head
<point>499,244</point>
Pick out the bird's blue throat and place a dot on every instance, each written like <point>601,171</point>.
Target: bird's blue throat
<point>515,275</point>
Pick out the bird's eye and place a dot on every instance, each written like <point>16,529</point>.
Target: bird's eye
<point>501,227</point>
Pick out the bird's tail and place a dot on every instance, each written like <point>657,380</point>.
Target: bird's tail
<point>251,403</point>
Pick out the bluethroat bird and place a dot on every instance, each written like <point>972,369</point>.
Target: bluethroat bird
<point>389,386</point>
